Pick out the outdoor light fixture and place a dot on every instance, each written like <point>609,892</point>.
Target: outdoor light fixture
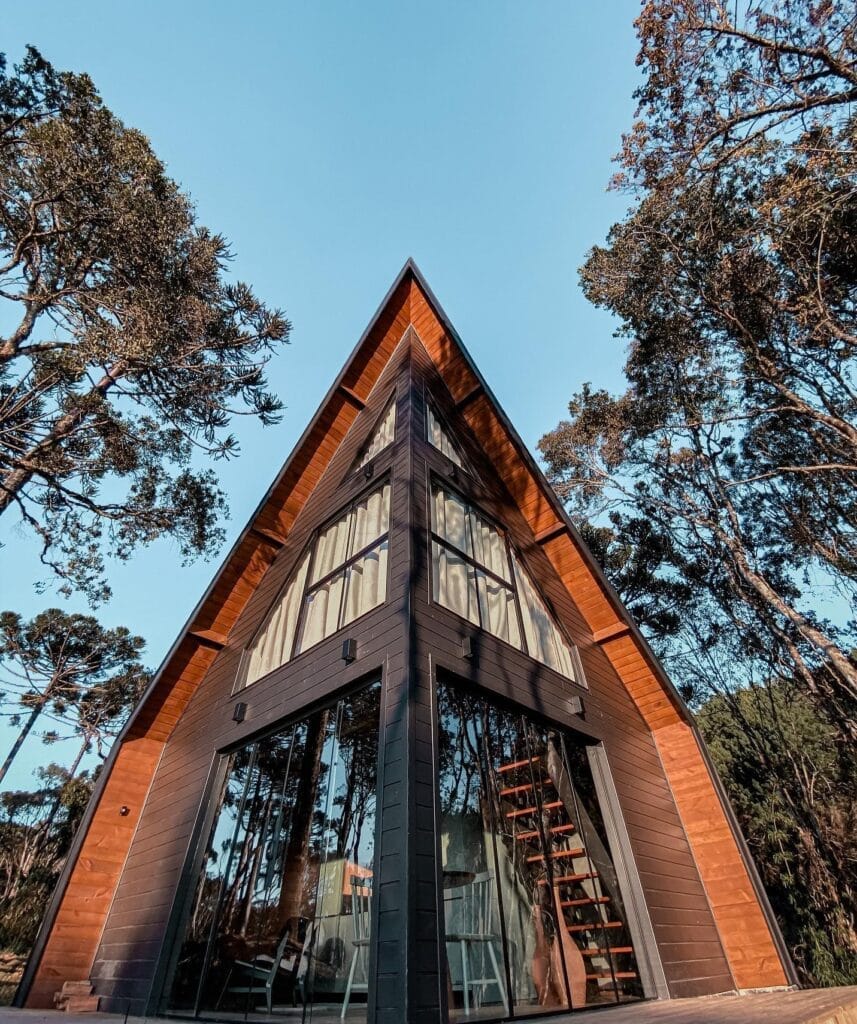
<point>349,650</point>
<point>467,649</point>
<point>240,712</point>
<point>124,811</point>
<point>368,470</point>
<point>575,705</point>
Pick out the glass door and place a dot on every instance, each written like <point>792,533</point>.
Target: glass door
<point>523,842</point>
<point>280,919</point>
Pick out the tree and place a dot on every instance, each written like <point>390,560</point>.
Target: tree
<point>735,278</point>
<point>803,830</point>
<point>130,351</point>
<point>75,670</point>
<point>31,854</point>
<point>726,470</point>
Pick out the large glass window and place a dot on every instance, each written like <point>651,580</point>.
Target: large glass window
<point>533,915</point>
<point>341,577</point>
<point>475,575</point>
<point>282,907</point>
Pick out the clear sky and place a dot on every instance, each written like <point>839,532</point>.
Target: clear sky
<point>329,142</point>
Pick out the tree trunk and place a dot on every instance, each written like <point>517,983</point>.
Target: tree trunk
<point>22,735</point>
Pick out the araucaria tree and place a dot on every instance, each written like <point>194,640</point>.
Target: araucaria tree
<point>129,350</point>
<point>732,454</point>
<point>72,670</point>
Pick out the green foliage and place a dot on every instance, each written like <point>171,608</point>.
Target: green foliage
<point>33,844</point>
<point>803,828</point>
<point>131,350</point>
<point>71,668</point>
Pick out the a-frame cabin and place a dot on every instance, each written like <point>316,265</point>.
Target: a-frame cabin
<point>410,759</point>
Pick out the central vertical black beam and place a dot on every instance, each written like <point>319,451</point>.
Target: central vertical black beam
<point>403,970</point>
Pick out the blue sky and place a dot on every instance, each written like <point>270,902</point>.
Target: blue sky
<point>331,141</point>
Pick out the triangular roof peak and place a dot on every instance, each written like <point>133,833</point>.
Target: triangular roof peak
<point>410,302</point>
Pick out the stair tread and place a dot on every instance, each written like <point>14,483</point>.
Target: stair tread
<point>534,833</point>
<point>585,901</point>
<point>570,878</point>
<point>533,810</point>
<point>591,926</point>
<point>557,855</point>
<point>604,952</point>
<point>517,764</point>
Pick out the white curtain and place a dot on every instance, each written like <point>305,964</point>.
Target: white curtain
<point>544,640</point>
<point>321,615</point>
<point>371,519</point>
<point>497,607</point>
<point>449,519</point>
<point>331,549</point>
<point>366,583</point>
<point>454,584</point>
<point>488,547</point>
<point>272,646</point>
<point>384,434</point>
<point>438,437</point>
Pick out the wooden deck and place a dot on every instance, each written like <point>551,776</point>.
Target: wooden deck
<point>811,1006</point>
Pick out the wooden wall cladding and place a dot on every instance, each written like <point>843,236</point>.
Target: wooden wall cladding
<point>744,933</point>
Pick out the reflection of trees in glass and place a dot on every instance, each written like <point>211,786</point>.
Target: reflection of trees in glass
<point>279,822</point>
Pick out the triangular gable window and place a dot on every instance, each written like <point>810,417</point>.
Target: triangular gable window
<point>341,576</point>
<point>476,575</point>
<point>440,439</point>
<point>383,435</point>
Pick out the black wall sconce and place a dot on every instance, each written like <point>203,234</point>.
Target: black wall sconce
<point>368,470</point>
<point>467,647</point>
<point>239,712</point>
<point>124,811</point>
<point>349,650</point>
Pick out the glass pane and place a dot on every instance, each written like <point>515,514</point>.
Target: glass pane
<point>273,645</point>
<point>488,547</point>
<point>228,827</point>
<point>321,613</point>
<point>545,642</point>
<point>454,583</point>
<point>497,609</point>
<point>449,519</point>
<point>439,438</point>
<point>281,911</point>
<point>476,983</point>
<point>384,434</point>
<point>366,583</point>
<point>519,807</point>
<point>372,519</point>
<point>331,549</point>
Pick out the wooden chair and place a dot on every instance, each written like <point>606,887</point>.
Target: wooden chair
<point>473,932</point>
<point>361,913</point>
<point>259,974</point>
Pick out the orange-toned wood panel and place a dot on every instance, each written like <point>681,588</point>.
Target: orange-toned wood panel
<point>640,681</point>
<point>235,585</point>
<point>443,349</point>
<point>74,937</point>
<point>743,930</point>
